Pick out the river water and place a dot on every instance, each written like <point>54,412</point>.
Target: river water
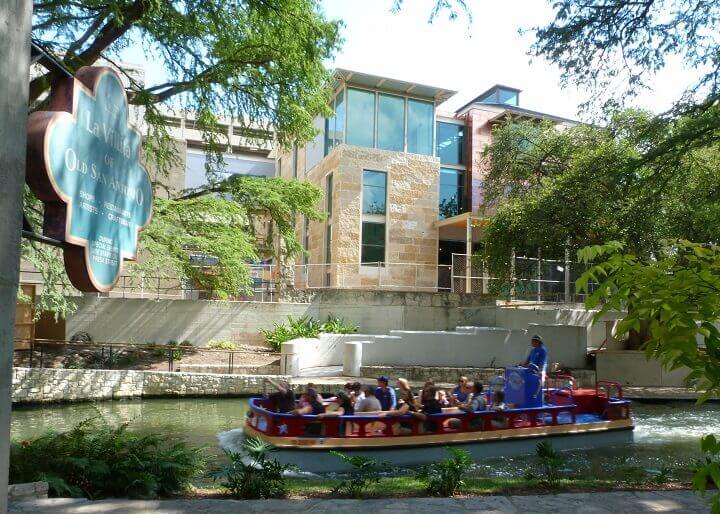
<point>667,434</point>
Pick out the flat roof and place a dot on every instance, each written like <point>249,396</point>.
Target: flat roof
<point>350,77</point>
<point>511,110</point>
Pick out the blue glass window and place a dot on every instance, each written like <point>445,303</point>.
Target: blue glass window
<point>339,135</point>
<point>452,188</point>
<point>374,192</point>
<point>505,96</point>
<point>360,117</point>
<point>450,143</point>
<point>420,127</point>
<point>391,122</point>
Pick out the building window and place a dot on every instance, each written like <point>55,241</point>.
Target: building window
<point>420,127</point>
<point>452,189</point>
<point>374,192</point>
<point>450,143</point>
<point>329,194</point>
<point>373,243</point>
<point>339,137</point>
<point>295,162</point>
<point>391,122</point>
<point>360,117</point>
<point>507,97</point>
<point>306,239</point>
<point>328,244</point>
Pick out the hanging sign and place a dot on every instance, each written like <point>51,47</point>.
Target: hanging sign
<point>83,163</point>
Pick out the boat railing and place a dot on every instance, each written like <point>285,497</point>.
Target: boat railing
<point>606,388</point>
<point>367,425</point>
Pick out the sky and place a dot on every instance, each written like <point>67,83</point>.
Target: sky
<point>461,56</point>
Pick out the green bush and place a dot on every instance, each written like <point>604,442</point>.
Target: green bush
<point>221,345</point>
<point>304,326</point>
<point>251,474</point>
<point>445,477</point>
<point>551,462</point>
<point>97,460</point>
<point>335,325</point>
<point>365,471</point>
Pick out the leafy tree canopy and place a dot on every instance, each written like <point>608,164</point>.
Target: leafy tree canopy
<point>614,47</point>
<point>585,185</point>
<point>259,62</point>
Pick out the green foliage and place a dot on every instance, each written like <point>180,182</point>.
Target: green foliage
<point>585,185</point>
<point>97,460</point>
<point>335,325</point>
<point>551,462</point>
<point>708,470</point>
<point>304,326</point>
<point>445,477</point>
<point>365,472</point>
<point>221,345</point>
<point>676,295</point>
<point>252,474</point>
<point>260,63</point>
<point>613,47</point>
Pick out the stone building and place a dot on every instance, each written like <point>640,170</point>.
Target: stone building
<point>403,184</point>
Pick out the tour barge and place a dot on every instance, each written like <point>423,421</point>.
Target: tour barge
<point>571,418</point>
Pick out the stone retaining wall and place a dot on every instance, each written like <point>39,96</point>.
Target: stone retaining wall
<point>584,377</point>
<point>27,491</point>
<point>53,385</point>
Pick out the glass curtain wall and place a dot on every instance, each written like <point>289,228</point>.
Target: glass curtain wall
<point>391,122</point>
<point>452,189</point>
<point>451,151</point>
<point>380,120</point>
<point>420,127</point>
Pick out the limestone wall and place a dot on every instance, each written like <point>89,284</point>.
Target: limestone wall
<point>50,384</point>
<point>120,320</point>
<point>632,368</point>
<point>449,375</point>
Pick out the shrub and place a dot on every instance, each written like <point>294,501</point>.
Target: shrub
<point>551,462</point>
<point>97,460</point>
<point>335,325</point>
<point>445,477</point>
<point>251,474</point>
<point>304,327</point>
<point>365,471</point>
<point>221,345</point>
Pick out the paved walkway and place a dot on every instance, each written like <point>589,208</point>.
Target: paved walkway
<point>577,503</point>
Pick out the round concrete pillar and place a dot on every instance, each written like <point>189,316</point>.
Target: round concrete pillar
<point>289,359</point>
<point>352,358</point>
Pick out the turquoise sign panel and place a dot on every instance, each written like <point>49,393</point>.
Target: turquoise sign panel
<point>92,159</point>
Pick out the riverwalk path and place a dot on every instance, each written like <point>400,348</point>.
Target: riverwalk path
<point>570,503</point>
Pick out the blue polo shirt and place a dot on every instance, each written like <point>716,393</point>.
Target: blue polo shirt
<point>386,398</point>
<point>539,357</point>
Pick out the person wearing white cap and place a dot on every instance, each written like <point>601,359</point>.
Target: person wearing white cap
<point>538,356</point>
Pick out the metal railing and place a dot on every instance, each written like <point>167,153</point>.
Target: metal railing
<point>532,279</point>
<point>38,353</point>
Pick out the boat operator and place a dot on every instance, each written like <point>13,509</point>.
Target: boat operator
<point>538,356</point>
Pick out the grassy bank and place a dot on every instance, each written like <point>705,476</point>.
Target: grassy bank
<point>409,486</point>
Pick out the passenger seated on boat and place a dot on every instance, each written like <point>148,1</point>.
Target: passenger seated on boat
<point>499,421</point>
<point>443,398</point>
<point>357,392</point>
<point>282,400</point>
<point>311,406</point>
<point>385,394</point>
<point>342,407</point>
<point>406,405</point>
<point>430,405</point>
<point>462,391</point>
<point>476,403</point>
<point>368,403</point>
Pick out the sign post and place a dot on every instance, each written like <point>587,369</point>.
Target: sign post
<point>14,72</point>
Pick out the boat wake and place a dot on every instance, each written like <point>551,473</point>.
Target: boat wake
<point>231,440</point>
